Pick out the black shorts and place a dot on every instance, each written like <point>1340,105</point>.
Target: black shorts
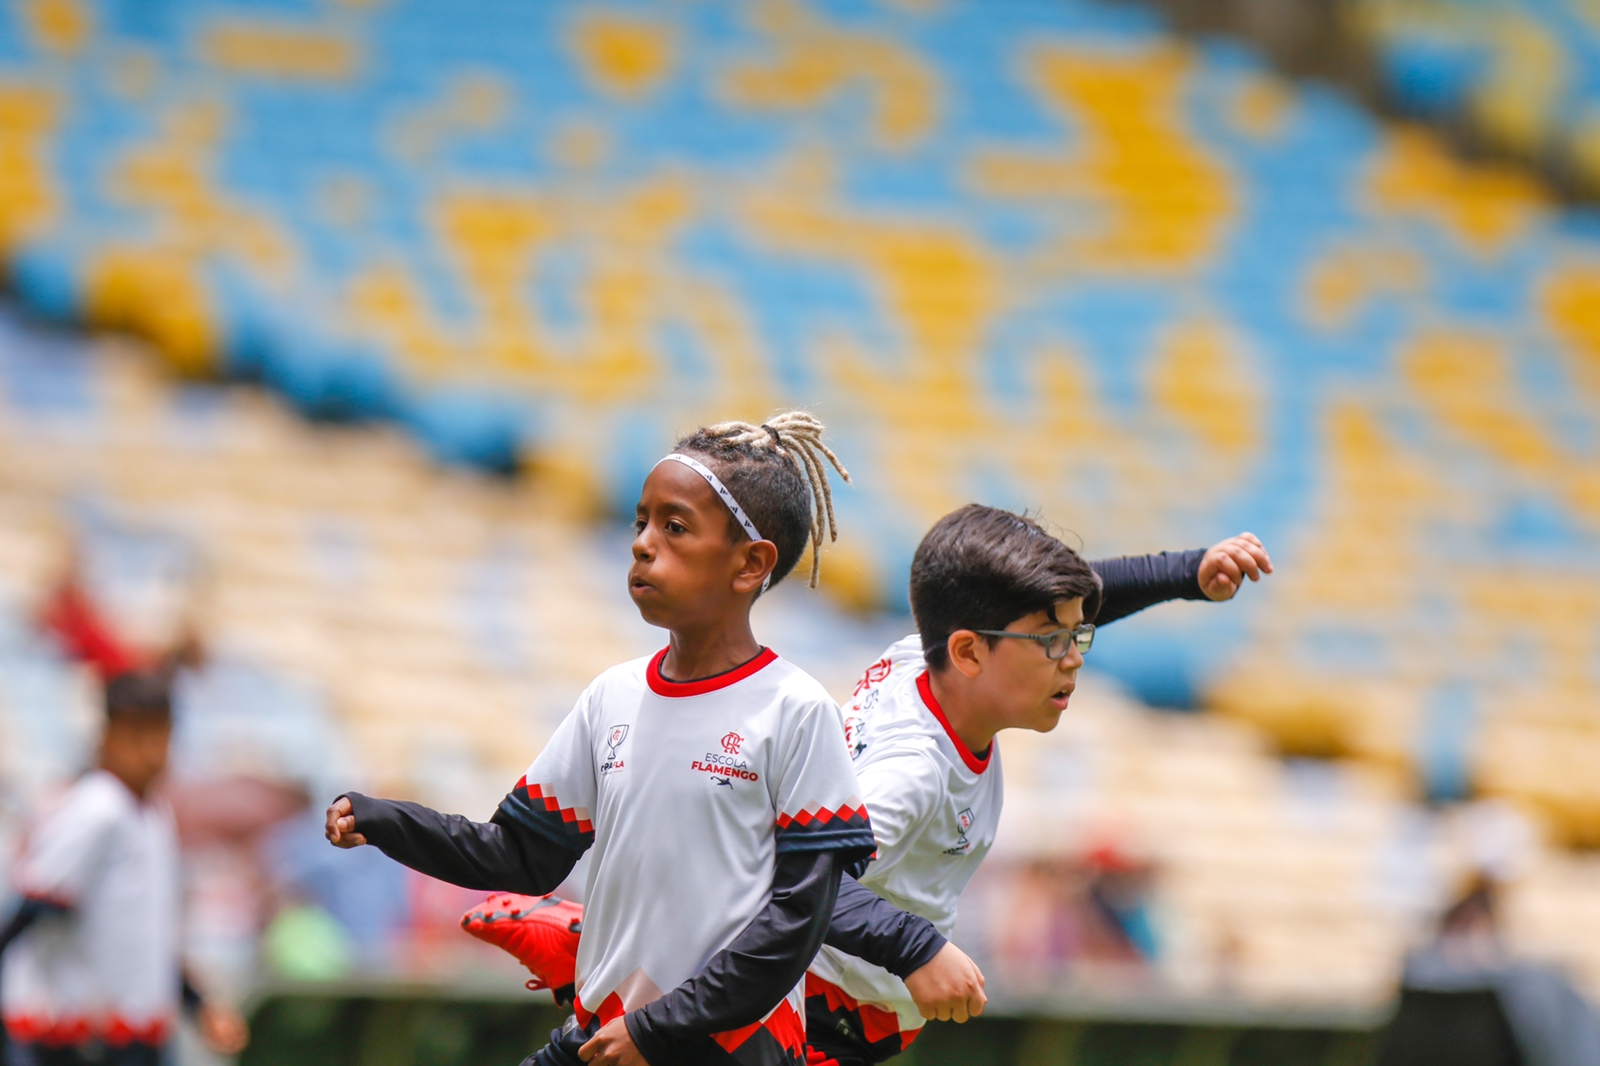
<point>758,1048</point>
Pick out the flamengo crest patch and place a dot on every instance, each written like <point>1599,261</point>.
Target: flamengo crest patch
<point>726,766</point>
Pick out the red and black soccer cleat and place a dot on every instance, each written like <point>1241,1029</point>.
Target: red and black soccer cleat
<point>541,931</point>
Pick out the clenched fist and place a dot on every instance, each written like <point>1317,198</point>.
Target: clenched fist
<point>950,988</point>
<point>341,827</point>
<point>1225,566</point>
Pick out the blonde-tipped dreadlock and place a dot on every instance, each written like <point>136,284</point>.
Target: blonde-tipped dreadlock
<point>796,435</point>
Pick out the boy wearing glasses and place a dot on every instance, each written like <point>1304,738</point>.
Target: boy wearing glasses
<point>1002,611</point>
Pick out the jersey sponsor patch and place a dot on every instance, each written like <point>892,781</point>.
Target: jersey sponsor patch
<point>613,762</point>
<point>964,822</point>
<point>855,736</point>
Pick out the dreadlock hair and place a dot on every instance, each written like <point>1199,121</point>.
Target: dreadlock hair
<point>770,469</point>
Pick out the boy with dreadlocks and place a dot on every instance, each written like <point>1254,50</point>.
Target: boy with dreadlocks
<point>711,780</point>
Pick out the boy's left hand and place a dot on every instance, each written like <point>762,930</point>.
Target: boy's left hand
<point>224,1030</point>
<point>612,1046</point>
<point>1225,566</point>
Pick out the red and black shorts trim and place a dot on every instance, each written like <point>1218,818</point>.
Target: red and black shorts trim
<point>779,1039</point>
<point>841,1031</point>
<point>538,809</point>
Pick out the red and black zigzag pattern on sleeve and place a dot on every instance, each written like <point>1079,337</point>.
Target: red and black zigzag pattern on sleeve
<point>536,807</point>
<point>844,829</point>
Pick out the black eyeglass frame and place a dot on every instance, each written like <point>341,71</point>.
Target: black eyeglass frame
<point>1082,636</point>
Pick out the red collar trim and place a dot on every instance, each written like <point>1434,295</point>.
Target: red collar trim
<point>975,764</point>
<point>663,686</point>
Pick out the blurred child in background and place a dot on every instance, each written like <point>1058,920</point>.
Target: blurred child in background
<point>89,961</point>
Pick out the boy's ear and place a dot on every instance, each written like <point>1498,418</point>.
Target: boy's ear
<point>760,559</point>
<point>963,648</point>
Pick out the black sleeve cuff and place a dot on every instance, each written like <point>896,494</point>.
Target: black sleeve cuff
<point>373,817</point>
<point>189,996</point>
<point>654,1048</point>
<point>917,959</point>
<point>30,910</point>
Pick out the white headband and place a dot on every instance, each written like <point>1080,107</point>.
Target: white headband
<point>722,492</point>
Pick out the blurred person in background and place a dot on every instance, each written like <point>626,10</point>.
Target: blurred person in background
<point>1116,903</point>
<point>1466,1000</point>
<point>72,617</point>
<point>1058,914</point>
<point>89,961</point>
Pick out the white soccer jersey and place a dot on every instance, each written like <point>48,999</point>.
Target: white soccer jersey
<point>108,968</point>
<point>688,792</point>
<point>935,806</point>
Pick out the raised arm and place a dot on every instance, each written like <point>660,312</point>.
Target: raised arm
<point>504,854</point>
<point>1132,583</point>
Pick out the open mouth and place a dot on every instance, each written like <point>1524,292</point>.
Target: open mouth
<point>1061,698</point>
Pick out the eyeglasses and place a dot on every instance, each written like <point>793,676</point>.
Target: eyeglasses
<point>1056,644</point>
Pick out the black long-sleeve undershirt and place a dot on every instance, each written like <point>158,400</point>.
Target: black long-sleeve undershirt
<point>1134,582</point>
<point>746,979</point>
<point>871,928</point>
<point>494,856</point>
<point>736,987</point>
<point>28,911</point>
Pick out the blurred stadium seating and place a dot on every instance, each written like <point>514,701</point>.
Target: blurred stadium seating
<point>374,620</point>
<point>1523,76</point>
<point>1044,254</point>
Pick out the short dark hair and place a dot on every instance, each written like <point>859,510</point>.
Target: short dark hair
<point>139,696</point>
<point>768,488</point>
<point>984,568</point>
